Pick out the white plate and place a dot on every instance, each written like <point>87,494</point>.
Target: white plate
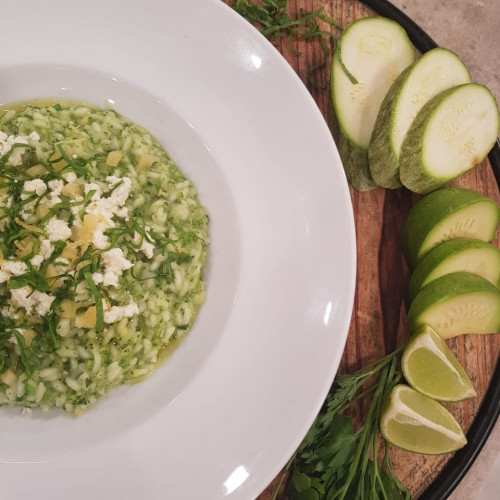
<point>223,414</point>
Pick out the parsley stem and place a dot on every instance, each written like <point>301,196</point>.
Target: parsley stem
<point>364,435</point>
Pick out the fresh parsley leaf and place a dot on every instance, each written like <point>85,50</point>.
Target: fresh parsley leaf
<point>334,462</point>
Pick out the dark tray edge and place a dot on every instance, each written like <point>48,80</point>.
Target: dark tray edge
<point>489,411</point>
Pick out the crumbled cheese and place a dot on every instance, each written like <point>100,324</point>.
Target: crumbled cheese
<point>69,177</point>
<point>57,229</point>
<point>99,239</point>
<point>114,264</point>
<point>46,249</point>
<point>35,185</point>
<point>32,300</point>
<point>6,143</point>
<point>33,137</point>
<point>116,313</point>
<point>36,260</point>
<point>14,267</point>
<point>105,208</point>
<point>56,187</point>
<point>9,268</point>
<point>146,248</point>
<point>112,205</point>
<point>92,186</point>
<point>98,278</point>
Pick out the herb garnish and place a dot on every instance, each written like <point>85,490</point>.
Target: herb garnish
<point>99,325</point>
<point>337,462</point>
<point>271,18</point>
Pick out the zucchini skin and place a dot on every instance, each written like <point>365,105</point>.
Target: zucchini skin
<point>441,253</point>
<point>447,288</point>
<point>354,159</point>
<point>353,150</point>
<point>412,169</point>
<point>382,159</point>
<point>431,210</point>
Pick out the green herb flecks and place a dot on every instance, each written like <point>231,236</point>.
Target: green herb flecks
<point>77,165</point>
<point>272,19</point>
<point>66,205</point>
<point>336,462</point>
<point>28,358</point>
<point>99,325</point>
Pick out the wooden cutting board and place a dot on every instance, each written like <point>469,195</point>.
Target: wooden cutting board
<point>379,317</point>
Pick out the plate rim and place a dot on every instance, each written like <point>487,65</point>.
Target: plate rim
<point>322,385</point>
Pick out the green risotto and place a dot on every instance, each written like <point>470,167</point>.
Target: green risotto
<point>102,243</point>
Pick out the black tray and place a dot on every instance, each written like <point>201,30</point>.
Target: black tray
<point>485,420</point>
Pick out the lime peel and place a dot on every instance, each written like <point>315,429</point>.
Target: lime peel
<point>429,428</point>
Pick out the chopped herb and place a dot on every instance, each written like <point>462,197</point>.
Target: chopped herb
<point>271,18</point>
<point>28,359</point>
<point>336,462</point>
<point>99,325</point>
<point>77,165</point>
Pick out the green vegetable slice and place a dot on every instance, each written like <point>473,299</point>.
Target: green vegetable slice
<point>445,214</point>
<point>452,134</point>
<point>436,71</point>
<point>458,254</point>
<point>370,54</point>
<point>456,304</point>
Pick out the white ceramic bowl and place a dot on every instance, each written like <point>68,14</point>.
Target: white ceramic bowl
<point>223,414</point>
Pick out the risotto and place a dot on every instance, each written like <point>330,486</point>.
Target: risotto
<point>102,243</point>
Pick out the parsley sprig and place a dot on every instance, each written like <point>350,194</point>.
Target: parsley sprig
<point>337,462</point>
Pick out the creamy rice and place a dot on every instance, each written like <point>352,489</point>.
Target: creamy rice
<point>102,243</point>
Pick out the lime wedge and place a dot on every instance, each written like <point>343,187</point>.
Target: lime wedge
<point>432,369</point>
<point>417,423</point>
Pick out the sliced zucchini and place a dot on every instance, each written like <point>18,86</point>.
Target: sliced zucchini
<point>450,135</point>
<point>354,159</point>
<point>371,53</point>
<point>445,214</point>
<point>459,254</point>
<point>455,304</point>
<point>437,70</point>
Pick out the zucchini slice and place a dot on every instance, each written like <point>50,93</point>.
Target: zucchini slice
<point>458,254</point>
<point>437,70</point>
<point>445,214</point>
<point>456,304</point>
<point>450,135</point>
<point>371,53</point>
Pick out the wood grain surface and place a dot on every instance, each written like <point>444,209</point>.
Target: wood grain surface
<point>379,317</point>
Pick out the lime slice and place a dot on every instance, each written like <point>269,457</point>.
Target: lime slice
<point>432,369</point>
<point>417,423</point>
